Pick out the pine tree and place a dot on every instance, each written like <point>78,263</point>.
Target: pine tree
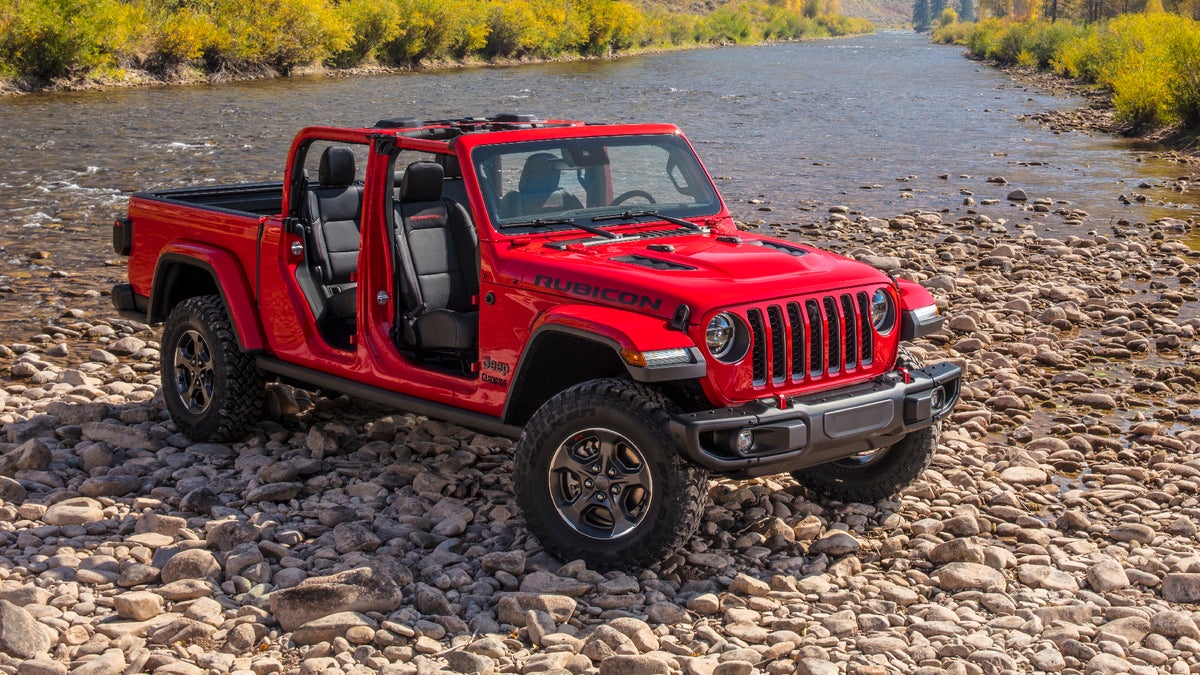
<point>967,14</point>
<point>935,9</point>
<point>921,18</point>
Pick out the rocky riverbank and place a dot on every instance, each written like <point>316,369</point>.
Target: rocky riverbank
<point>1055,532</point>
<point>1098,116</point>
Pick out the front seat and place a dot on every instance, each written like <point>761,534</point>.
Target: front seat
<point>439,260</point>
<point>334,213</point>
<point>538,190</point>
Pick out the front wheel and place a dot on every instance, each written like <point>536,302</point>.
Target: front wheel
<point>598,479</point>
<point>212,389</point>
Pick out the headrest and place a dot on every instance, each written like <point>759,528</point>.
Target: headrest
<point>540,174</point>
<point>422,182</point>
<point>337,166</point>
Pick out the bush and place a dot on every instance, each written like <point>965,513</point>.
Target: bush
<point>371,23</point>
<point>276,33</point>
<point>1184,85</point>
<point>1150,61</point>
<point>75,38</point>
<point>46,39</point>
<point>952,34</point>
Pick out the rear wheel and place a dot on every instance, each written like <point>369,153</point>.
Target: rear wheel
<point>876,474</point>
<point>598,479</point>
<point>212,388</point>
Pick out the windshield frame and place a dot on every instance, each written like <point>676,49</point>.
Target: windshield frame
<point>681,160</point>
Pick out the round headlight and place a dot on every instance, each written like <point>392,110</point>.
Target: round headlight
<point>883,314</point>
<point>719,335</point>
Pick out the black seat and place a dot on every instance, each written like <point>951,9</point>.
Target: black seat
<point>538,190</point>
<point>439,256</point>
<point>334,214</point>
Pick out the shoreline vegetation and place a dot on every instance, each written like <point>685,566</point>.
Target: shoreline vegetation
<point>1140,72</point>
<point>84,44</point>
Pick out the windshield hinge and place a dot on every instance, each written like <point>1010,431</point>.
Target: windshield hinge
<point>680,321</point>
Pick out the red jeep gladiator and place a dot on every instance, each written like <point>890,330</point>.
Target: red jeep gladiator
<point>581,288</point>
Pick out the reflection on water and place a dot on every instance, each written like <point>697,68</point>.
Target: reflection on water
<point>882,123</point>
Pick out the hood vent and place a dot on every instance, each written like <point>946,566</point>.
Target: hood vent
<point>780,246</point>
<point>654,263</point>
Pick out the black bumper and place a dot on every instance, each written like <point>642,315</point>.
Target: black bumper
<point>128,303</point>
<point>817,429</point>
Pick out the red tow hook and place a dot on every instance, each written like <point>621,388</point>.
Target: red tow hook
<point>907,376</point>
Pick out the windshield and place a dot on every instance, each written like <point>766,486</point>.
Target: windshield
<point>565,183</point>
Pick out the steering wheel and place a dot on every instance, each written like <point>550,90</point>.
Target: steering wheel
<point>630,195</point>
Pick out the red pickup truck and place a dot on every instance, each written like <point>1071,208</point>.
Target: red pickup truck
<point>581,288</point>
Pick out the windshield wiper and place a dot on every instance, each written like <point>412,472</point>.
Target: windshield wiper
<point>541,222</point>
<point>630,215</point>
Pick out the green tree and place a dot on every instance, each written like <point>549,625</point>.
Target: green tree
<point>935,9</point>
<point>967,15</point>
<point>921,19</point>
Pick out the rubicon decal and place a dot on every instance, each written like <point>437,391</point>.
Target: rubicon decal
<point>628,298</point>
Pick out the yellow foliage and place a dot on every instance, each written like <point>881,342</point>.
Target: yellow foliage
<point>52,38</point>
<point>185,35</point>
<point>1150,61</point>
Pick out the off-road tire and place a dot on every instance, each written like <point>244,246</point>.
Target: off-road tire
<point>871,477</point>
<point>631,420</point>
<point>212,388</point>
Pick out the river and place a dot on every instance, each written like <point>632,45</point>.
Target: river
<point>880,123</point>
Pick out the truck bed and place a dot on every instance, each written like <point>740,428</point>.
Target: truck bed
<point>258,199</point>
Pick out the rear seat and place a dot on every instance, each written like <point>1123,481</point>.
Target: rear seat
<point>453,186</point>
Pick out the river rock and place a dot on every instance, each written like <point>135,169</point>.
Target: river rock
<point>641,664</point>
<point>42,667</point>
<point>112,485</point>
<point>1174,625</point>
<point>958,576</point>
<point>21,636</point>
<point>1181,587</point>
<point>226,535</point>
<point>1134,532</point>
<point>1024,475</point>
<point>201,500</point>
<point>34,454</point>
<point>186,589</point>
<point>119,435</point>
<point>363,589</point>
<point>138,605</point>
<point>545,583</point>
<point>835,543</point>
<point>512,607</point>
<point>274,492</point>
<point>470,663</point>
<point>75,511</point>
<point>1107,575</point>
<point>193,563</point>
<point>11,491</point>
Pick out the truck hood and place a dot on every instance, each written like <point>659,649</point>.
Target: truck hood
<point>705,271</point>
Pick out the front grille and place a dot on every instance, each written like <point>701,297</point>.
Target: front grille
<point>810,338</point>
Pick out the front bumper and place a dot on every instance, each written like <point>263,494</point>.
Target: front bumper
<point>816,429</point>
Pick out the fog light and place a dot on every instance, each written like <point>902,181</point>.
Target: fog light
<point>937,399</point>
<point>743,441</point>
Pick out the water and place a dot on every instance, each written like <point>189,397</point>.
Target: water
<point>869,122</point>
